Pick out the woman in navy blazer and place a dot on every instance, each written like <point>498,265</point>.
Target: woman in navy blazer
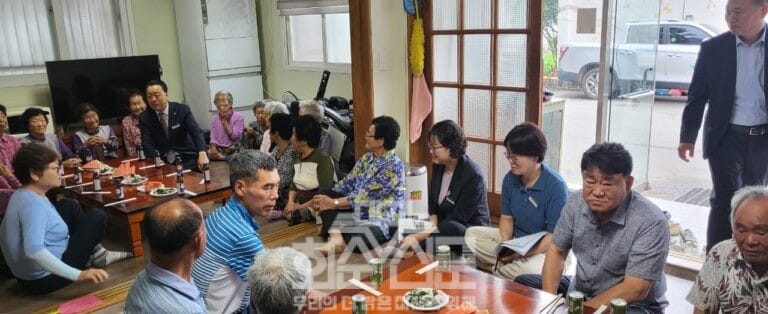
<point>458,196</point>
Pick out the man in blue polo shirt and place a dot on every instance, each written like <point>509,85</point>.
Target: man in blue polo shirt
<point>176,237</point>
<point>532,196</point>
<point>221,272</point>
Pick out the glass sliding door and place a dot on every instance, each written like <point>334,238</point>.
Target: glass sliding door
<point>630,43</point>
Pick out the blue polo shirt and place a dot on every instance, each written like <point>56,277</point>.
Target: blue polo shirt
<point>537,208</point>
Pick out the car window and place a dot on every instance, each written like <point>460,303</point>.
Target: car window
<point>644,34</point>
<point>686,35</point>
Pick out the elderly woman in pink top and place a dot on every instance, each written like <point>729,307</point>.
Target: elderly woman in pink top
<point>226,127</point>
<point>131,132</point>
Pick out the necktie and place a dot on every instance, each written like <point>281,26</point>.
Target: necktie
<point>163,121</point>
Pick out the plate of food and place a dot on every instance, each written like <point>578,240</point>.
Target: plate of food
<point>162,191</point>
<point>425,299</point>
<point>135,179</point>
<point>106,170</point>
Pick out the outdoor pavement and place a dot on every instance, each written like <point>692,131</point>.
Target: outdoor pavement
<point>669,177</point>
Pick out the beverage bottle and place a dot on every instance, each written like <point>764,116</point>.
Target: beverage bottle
<point>96,180</point>
<point>179,175</point>
<point>207,172</point>
<point>78,176</point>
<point>158,159</point>
<point>119,189</point>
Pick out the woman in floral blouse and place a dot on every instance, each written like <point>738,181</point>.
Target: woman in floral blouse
<point>131,132</point>
<point>375,186</point>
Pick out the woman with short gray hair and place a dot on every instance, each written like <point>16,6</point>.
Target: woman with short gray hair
<point>280,280</point>
<point>271,108</point>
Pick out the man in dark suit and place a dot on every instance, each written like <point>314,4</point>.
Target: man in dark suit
<point>730,75</point>
<point>170,129</point>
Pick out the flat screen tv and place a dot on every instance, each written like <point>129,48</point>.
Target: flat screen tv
<point>104,83</point>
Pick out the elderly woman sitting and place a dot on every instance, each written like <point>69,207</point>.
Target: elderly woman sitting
<point>315,110</point>
<point>98,139</point>
<point>271,108</point>
<point>313,170</point>
<point>36,122</point>
<point>131,131</point>
<point>226,127</point>
<point>375,188</point>
<point>48,247</point>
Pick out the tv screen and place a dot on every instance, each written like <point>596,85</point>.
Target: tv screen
<point>104,83</point>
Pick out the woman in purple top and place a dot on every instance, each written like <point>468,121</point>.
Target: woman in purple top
<point>36,122</point>
<point>226,127</point>
<point>99,139</point>
<point>131,131</point>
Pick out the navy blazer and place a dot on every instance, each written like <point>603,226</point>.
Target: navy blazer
<point>184,135</point>
<point>714,81</point>
<point>466,201</point>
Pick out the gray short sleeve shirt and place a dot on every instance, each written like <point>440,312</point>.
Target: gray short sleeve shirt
<point>634,242</point>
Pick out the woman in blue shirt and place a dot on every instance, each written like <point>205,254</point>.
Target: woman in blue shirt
<point>48,247</point>
<point>532,197</point>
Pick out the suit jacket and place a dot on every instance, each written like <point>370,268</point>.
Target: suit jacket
<point>714,81</point>
<point>466,201</point>
<point>184,135</point>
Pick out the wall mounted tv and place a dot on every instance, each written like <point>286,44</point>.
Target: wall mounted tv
<point>105,83</point>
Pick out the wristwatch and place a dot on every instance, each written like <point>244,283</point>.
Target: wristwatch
<point>336,203</point>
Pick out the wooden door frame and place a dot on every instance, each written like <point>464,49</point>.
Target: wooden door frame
<point>362,70</point>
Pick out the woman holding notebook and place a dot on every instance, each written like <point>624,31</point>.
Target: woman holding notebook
<point>532,196</point>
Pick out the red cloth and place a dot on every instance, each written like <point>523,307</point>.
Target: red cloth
<point>421,106</point>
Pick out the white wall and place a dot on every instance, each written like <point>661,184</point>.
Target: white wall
<point>390,66</point>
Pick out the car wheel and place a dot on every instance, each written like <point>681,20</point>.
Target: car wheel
<point>590,83</point>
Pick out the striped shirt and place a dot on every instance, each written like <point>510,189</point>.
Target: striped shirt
<point>221,272</point>
<point>157,290</point>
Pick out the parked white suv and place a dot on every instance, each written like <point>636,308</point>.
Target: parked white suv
<point>636,64</point>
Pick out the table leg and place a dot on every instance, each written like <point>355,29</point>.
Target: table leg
<point>134,221</point>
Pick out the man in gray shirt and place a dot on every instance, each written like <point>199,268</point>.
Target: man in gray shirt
<point>619,237</point>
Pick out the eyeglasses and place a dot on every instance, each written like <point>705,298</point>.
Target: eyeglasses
<point>433,148</point>
<point>511,157</point>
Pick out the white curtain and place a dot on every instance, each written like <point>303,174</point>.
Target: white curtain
<point>25,36</point>
<point>90,27</point>
<point>28,32</point>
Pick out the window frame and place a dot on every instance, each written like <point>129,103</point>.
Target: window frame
<point>124,25</point>
<point>290,64</point>
<point>532,90</point>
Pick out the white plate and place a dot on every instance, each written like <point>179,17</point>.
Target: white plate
<point>139,182</point>
<point>107,171</point>
<point>441,296</point>
<point>171,191</point>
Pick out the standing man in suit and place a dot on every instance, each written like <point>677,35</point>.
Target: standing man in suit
<point>730,75</point>
<point>170,129</point>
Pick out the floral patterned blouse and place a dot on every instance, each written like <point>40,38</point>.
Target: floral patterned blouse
<point>285,170</point>
<point>380,183</point>
<point>131,135</point>
<point>728,283</point>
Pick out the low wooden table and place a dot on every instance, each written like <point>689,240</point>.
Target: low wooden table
<point>462,283</point>
<point>133,212</point>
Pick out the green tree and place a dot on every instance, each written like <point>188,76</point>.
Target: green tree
<point>551,8</point>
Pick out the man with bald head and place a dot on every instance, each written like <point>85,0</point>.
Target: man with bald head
<point>176,235</point>
<point>734,279</point>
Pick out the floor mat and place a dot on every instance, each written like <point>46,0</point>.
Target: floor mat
<point>695,196</point>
